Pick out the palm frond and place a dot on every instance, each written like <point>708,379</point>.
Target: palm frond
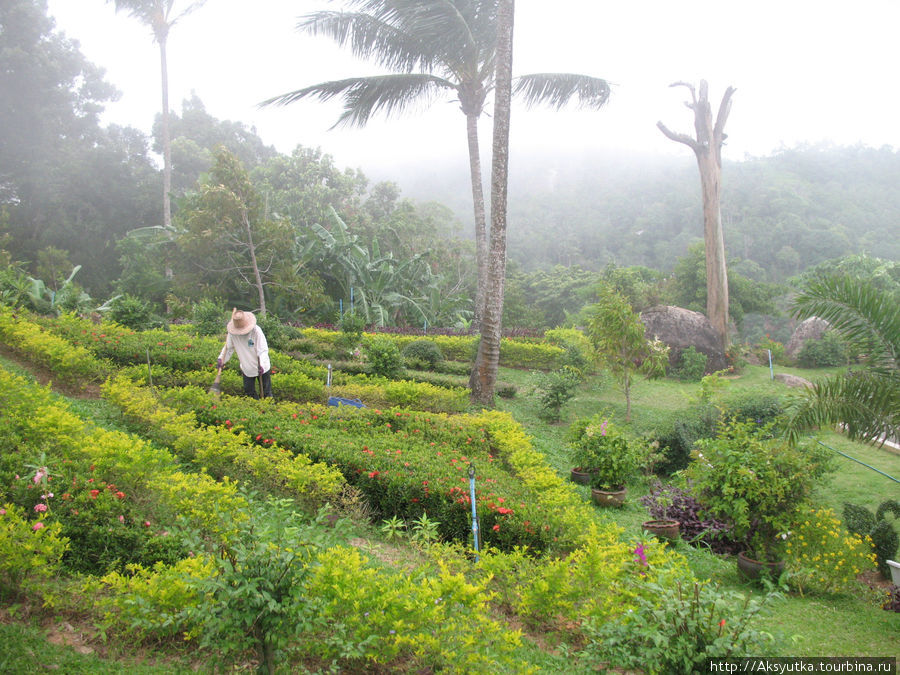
<point>867,404</point>
<point>366,96</point>
<point>863,314</point>
<point>557,89</point>
<point>372,38</point>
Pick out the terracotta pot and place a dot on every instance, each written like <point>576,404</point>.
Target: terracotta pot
<point>580,477</point>
<point>609,497</point>
<point>753,569</point>
<point>664,529</point>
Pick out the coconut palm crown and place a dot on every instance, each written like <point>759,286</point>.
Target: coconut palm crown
<point>866,400</point>
<point>432,48</point>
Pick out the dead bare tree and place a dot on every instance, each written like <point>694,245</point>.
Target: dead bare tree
<point>707,147</point>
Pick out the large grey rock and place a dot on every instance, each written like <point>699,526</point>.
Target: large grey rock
<point>811,329</point>
<point>792,380</point>
<point>682,328</point>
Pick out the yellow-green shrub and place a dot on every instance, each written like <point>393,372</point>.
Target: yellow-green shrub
<point>823,556</point>
<point>72,364</point>
<point>148,603</point>
<point>439,621</point>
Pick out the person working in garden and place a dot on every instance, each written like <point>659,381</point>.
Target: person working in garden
<point>248,340</point>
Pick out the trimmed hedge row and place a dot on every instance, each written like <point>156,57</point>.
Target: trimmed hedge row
<point>409,462</point>
<point>223,453</point>
<point>149,473</point>
<point>514,353</point>
<point>173,353</point>
<point>73,364</point>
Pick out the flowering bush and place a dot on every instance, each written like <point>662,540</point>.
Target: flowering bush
<point>31,551</point>
<point>823,556</point>
<point>758,484</point>
<point>675,627</point>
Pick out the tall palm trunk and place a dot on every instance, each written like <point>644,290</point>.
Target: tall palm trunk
<point>166,141</point>
<point>487,361</point>
<point>480,218</point>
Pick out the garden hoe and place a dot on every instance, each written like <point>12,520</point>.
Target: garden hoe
<point>216,388</point>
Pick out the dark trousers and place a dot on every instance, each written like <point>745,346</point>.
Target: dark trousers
<point>250,388</point>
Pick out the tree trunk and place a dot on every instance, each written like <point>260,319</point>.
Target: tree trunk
<point>716,273</point>
<point>487,361</point>
<point>707,147</point>
<point>256,275</point>
<point>480,220</point>
<point>166,141</point>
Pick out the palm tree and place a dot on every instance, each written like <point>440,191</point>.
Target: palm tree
<point>487,360</point>
<point>432,47</point>
<point>160,16</point>
<point>866,401</point>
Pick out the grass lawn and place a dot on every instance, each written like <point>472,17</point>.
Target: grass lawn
<point>819,625</point>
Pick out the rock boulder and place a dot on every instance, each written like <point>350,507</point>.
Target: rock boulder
<point>811,329</point>
<point>682,328</point>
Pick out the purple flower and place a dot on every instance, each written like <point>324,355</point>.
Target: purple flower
<point>639,552</point>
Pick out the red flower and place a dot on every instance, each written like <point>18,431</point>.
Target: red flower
<point>94,494</point>
<point>496,528</point>
<point>504,511</point>
<point>120,495</point>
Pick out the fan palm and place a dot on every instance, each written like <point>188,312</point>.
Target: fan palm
<point>160,16</point>
<point>865,401</point>
<point>433,48</point>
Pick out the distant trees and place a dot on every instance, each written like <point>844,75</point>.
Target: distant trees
<point>65,181</point>
<point>707,147</point>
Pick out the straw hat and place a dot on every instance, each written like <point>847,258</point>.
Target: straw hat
<point>241,322</point>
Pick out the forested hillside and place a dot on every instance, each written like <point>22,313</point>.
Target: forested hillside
<point>784,212</point>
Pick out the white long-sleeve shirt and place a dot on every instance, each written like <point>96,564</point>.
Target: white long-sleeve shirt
<point>252,350</point>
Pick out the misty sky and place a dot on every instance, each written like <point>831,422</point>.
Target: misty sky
<point>805,72</point>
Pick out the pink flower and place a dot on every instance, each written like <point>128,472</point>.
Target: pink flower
<point>40,508</point>
<point>121,519</point>
<point>39,476</point>
<point>641,557</point>
<point>146,523</point>
<point>2,512</point>
<point>37,526</point>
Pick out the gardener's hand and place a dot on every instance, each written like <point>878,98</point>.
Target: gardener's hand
<point>219,364</point>
<point>260,370</point>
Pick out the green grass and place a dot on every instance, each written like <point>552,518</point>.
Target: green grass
<point>27,648</point>
<point>821,625</point>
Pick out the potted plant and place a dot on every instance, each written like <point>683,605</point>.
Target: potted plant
<point>758,483</point>
<point>662,527</point>
<point>604,452</point>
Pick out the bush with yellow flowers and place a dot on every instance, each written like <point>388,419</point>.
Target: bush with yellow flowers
<point>823,557</point>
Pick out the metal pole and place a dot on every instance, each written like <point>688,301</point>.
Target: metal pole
<point>771,369</point>
<point>341,302</point>
<point>328,383</point>
<point>474,510</point>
